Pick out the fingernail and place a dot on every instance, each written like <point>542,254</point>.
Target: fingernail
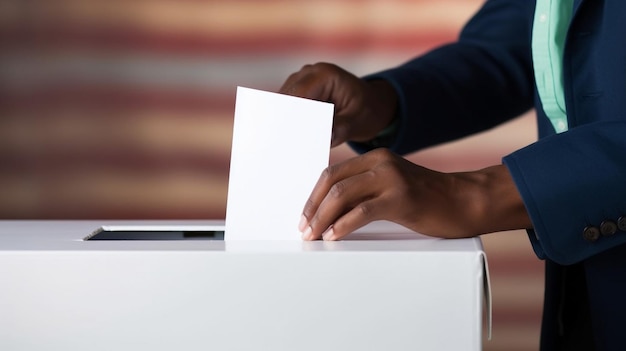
<point>328,234</point>
<point>303,224</point>
<point>307,233</point>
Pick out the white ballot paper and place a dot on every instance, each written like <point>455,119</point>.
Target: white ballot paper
<point>281,144</point>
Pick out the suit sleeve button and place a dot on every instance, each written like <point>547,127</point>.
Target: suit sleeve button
<point>621,223</point>
<point>608,228</point>
<point>591,233</point>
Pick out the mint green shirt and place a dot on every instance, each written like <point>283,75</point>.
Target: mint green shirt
<point>552,18</point>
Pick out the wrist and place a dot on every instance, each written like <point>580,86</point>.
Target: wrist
<point>380,115</point>
<point>385,137</point>
<point>492,201</point>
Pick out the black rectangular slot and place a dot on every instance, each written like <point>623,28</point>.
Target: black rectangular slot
<point>103,234</point>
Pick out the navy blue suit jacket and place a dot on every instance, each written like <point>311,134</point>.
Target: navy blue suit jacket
<point>570,181</point>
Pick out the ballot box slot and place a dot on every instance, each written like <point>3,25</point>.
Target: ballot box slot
<point>155,233</point>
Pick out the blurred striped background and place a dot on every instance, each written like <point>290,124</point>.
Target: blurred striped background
<point>123,109</point>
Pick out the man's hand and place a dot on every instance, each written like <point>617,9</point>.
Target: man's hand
<point>381,185</point>
<point>362,108</point>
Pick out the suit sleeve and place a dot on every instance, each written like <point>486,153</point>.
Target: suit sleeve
<point>573,182</point>
<point>478,82</point>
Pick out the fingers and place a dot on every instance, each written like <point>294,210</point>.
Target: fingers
<point>341,198</point>
<point>311,82</point>
<point>362,214</point>
<point>346,197</point>
<point>359,114</point>
<point>317,82</point>
<point>340,133</point>
<point>329,178</point>
<point>290,86</point>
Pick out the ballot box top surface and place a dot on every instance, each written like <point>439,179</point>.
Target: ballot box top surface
<point>70,235</point>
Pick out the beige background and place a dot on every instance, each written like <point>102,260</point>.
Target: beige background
<point>123,109</point>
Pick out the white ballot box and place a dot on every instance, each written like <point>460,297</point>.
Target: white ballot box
<point>383,288</point>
